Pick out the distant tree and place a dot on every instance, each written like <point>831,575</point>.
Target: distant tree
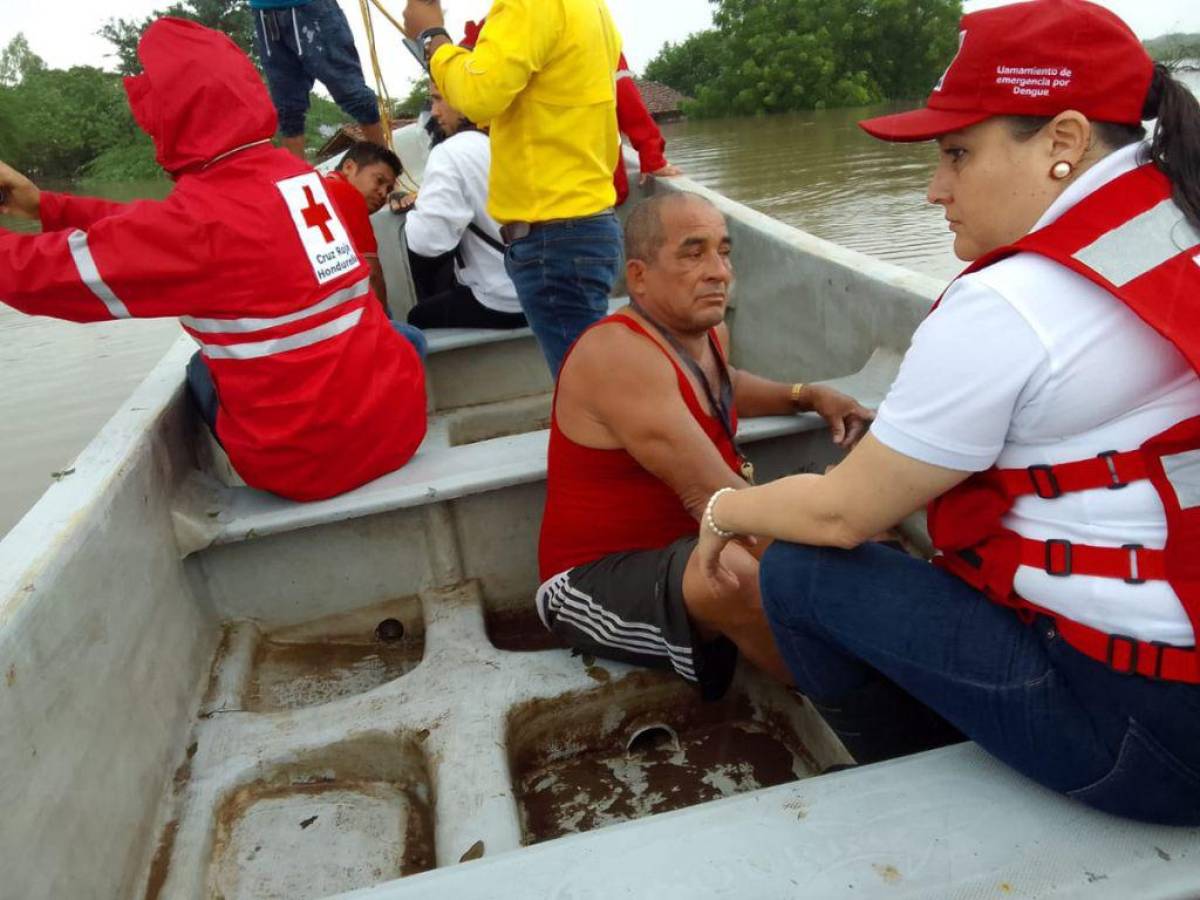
<point>17,62</point>
<point>766,56</point>
<point>685,66</point>
<point>63,119</point>
<point>1175,48</point>
<point>230,16</point>
<point>323,120</point>
<point>411,106</point>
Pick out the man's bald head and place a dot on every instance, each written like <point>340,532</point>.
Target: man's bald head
<point>645,232</point>
<point>677,265</point>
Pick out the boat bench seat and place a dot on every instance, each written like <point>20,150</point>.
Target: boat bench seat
<point>211,514</point>
<point>953,822</point>
<point>472,366</point>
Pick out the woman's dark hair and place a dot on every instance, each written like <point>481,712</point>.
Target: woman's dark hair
<point>1174,146</point>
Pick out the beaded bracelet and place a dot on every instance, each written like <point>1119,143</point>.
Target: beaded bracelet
<point>708,516</point>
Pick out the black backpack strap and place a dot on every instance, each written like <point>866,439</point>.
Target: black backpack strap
<point>486,238</point>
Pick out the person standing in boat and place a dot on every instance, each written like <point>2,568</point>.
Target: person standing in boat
<point>633,120</point>
<point>1048,411</point>
<point>301,42</point>
<point>642,432</point>
<point>359,187</point>
<point>540,79</point>
<point>308,386</point>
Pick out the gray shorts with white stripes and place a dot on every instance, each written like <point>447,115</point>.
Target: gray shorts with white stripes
<point>629,606</point>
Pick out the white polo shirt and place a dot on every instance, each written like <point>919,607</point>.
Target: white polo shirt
<point>454,194</point>
<point>1027,363</point>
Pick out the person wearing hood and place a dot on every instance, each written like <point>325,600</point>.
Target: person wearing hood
<point>307,385</point>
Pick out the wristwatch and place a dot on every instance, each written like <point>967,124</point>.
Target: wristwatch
<point>429,34</point>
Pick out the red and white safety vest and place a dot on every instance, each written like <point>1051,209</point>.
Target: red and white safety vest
<point>1130,238</point>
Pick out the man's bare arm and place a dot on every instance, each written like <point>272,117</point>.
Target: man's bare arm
<point>625,384</point>
<point>756,396</point>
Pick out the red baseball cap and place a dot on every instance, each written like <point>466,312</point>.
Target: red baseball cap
<point>1033,58</point>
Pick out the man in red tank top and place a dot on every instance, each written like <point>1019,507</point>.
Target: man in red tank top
<point>643,432</point>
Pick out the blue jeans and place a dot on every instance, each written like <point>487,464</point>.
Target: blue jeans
<point>204,391</point>
<point>564,273</point>
<point>872,620</point>
<point>304,44</point>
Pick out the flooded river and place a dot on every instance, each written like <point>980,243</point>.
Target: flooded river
<point>60,382</point>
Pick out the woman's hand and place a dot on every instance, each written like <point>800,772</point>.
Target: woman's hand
<point>708,551</point>
<point>848,420</point>
<point>18,195</point>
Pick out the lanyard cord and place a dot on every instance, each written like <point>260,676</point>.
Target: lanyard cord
<point>722,406</point>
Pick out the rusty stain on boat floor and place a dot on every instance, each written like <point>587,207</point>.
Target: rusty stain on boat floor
<point>295,675</point>
<point>607,785</point>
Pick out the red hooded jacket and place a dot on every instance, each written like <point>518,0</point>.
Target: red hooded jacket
<point>633,119</point>
<point>318,393</point>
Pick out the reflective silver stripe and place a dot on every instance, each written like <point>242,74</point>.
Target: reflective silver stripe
<point>1141,244</point>
<point>1183,471</point>
<point>259,349</point>
<point>624,73</point>
<point>243,326</point>
<point>82,255</point>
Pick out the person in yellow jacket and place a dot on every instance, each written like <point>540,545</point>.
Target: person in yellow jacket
<point>541,79</point>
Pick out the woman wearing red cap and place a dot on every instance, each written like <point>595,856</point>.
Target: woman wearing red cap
<point>1048,413</point>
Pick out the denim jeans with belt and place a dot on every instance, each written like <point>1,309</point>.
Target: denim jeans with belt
<point>564,272</point>
<point>845,621</point>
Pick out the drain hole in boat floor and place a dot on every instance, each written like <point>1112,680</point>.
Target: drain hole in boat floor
<point>654,768</point>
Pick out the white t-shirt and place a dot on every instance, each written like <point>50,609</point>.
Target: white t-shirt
<point>1027,363</point>
<point>453,195</point>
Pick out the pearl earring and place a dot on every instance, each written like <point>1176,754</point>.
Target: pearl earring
<point>1061,170</point>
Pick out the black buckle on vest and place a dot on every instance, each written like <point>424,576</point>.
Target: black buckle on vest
<point>1066,557</point>
<point>1117,483</point>
<point>1133,562</point>
<point>1111,655</point>
<point>1050,483</point>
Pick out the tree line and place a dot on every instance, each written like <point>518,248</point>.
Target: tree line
<point>770,56</point>
<point>1177,49</point>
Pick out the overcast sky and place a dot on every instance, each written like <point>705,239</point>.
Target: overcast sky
<point>63,31</point>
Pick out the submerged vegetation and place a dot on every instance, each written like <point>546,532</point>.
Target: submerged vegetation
<point>768,56</point>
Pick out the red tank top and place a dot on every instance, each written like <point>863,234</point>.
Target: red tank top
<point>602,501</point>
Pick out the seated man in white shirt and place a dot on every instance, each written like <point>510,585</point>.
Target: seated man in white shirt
<point>451,215</point>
